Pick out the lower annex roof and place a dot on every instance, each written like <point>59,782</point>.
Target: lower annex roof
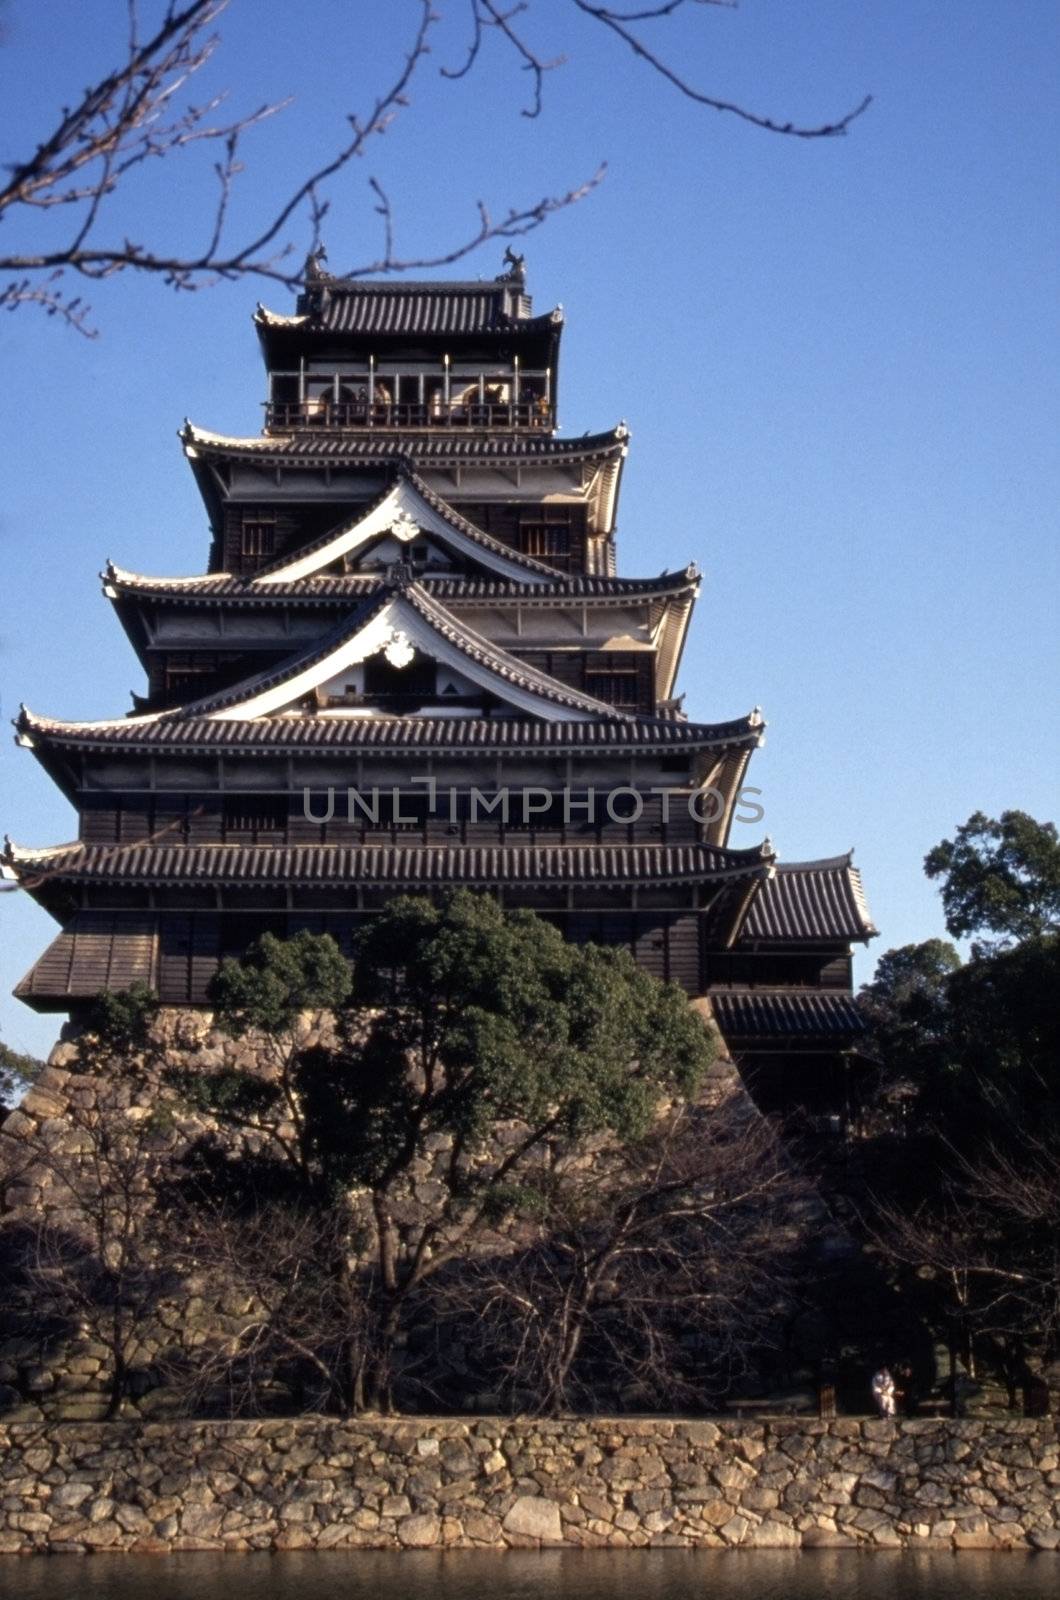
<point>811,900</point>
<point>788,1015</point>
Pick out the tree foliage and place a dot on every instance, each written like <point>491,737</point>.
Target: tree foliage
<point>277,982</point>
<point>1000,877</point>
<point>16,1069</point>
<point>965,1196</point>
<point>462,1022</point>
<point>907,1008</point>
<point>978,1042</point>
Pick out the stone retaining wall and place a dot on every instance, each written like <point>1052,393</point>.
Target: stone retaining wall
<point>377,1483</point>
<point>55,1361</point>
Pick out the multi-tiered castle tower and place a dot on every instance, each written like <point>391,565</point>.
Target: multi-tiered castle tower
<point>412,595</point>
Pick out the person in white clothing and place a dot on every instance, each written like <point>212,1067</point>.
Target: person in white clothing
<point>883,1392</point>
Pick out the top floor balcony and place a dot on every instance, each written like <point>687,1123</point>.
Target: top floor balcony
<point>410,396</point>
<point>283,415</point>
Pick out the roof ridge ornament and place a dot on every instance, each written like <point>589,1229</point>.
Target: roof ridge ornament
<point>317,295</point>
<point>516,265</point>
<point>313,270</point>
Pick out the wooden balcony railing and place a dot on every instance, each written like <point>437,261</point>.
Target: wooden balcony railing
<point>285,414</point>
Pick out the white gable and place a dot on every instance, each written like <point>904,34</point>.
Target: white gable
<point>401,517</point>
<point>399,632</point>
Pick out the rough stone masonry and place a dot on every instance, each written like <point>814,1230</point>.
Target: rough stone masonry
<point>381,1483</point>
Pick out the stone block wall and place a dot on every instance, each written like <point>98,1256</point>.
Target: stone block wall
<point>65,1376</point>
<point>493,1482</point>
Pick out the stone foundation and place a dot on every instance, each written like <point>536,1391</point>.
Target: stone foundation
<point>52,1375</point>
<point>488,1482</point>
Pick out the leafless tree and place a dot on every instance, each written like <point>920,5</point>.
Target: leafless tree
<point>286,1326</point>
<point>987,1251</point>
<point>93,1247</point>
<point>144,110</point>
<point>657,1275</point>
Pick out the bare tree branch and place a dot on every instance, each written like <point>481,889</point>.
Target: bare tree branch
<point>618,25</point>
<point>485,14</point>
<point>140,112</point>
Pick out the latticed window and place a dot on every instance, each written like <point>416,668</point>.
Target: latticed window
<point>545,533</point>
<point>255,813</point>
<point>617,688</point>
<point>614,678</point>
<point>545,539</point>
<point>187,671</point>
<point>257,537</point>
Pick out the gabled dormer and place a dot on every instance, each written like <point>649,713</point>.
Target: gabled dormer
<point>408,522</point>
<point>400,652</point>
<point>469,356</point>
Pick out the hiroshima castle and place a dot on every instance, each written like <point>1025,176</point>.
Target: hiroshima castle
<point>412,665</point>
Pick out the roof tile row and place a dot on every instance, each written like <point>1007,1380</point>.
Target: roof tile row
<point>786,1013</point>
<point>340,735</point>
<point>390,864</point>
<point>811,900</point>
<point>222,586</point>
<point>421,448</point>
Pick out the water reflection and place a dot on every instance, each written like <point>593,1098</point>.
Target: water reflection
<point>523,1575</point>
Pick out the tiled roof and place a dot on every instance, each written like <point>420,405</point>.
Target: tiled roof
<point>441,446</point>
<point>341,735</point>
<point>220,587</point>
<point>472,646</point>
<point>810,900</point>
<point>564,588</point>
<point>96,950</point>
<point>394,306</point>
<point>336,865</point>
<point>790,1014</point>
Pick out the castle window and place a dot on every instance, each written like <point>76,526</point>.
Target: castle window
<point>186,671</point>
<point>250,814</point>
<point>614,678</point>
<point>546,539</point>
<point>616,688</point>
<point>257,538</point>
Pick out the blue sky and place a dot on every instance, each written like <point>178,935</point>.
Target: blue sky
<point>838,361</point>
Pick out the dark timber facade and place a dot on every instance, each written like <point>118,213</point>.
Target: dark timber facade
<point>412,665</point>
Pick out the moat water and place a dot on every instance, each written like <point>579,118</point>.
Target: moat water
<point>548,1575</point>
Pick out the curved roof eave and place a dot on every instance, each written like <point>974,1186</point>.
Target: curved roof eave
<point>335,734</point>
<point>306,447</point>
